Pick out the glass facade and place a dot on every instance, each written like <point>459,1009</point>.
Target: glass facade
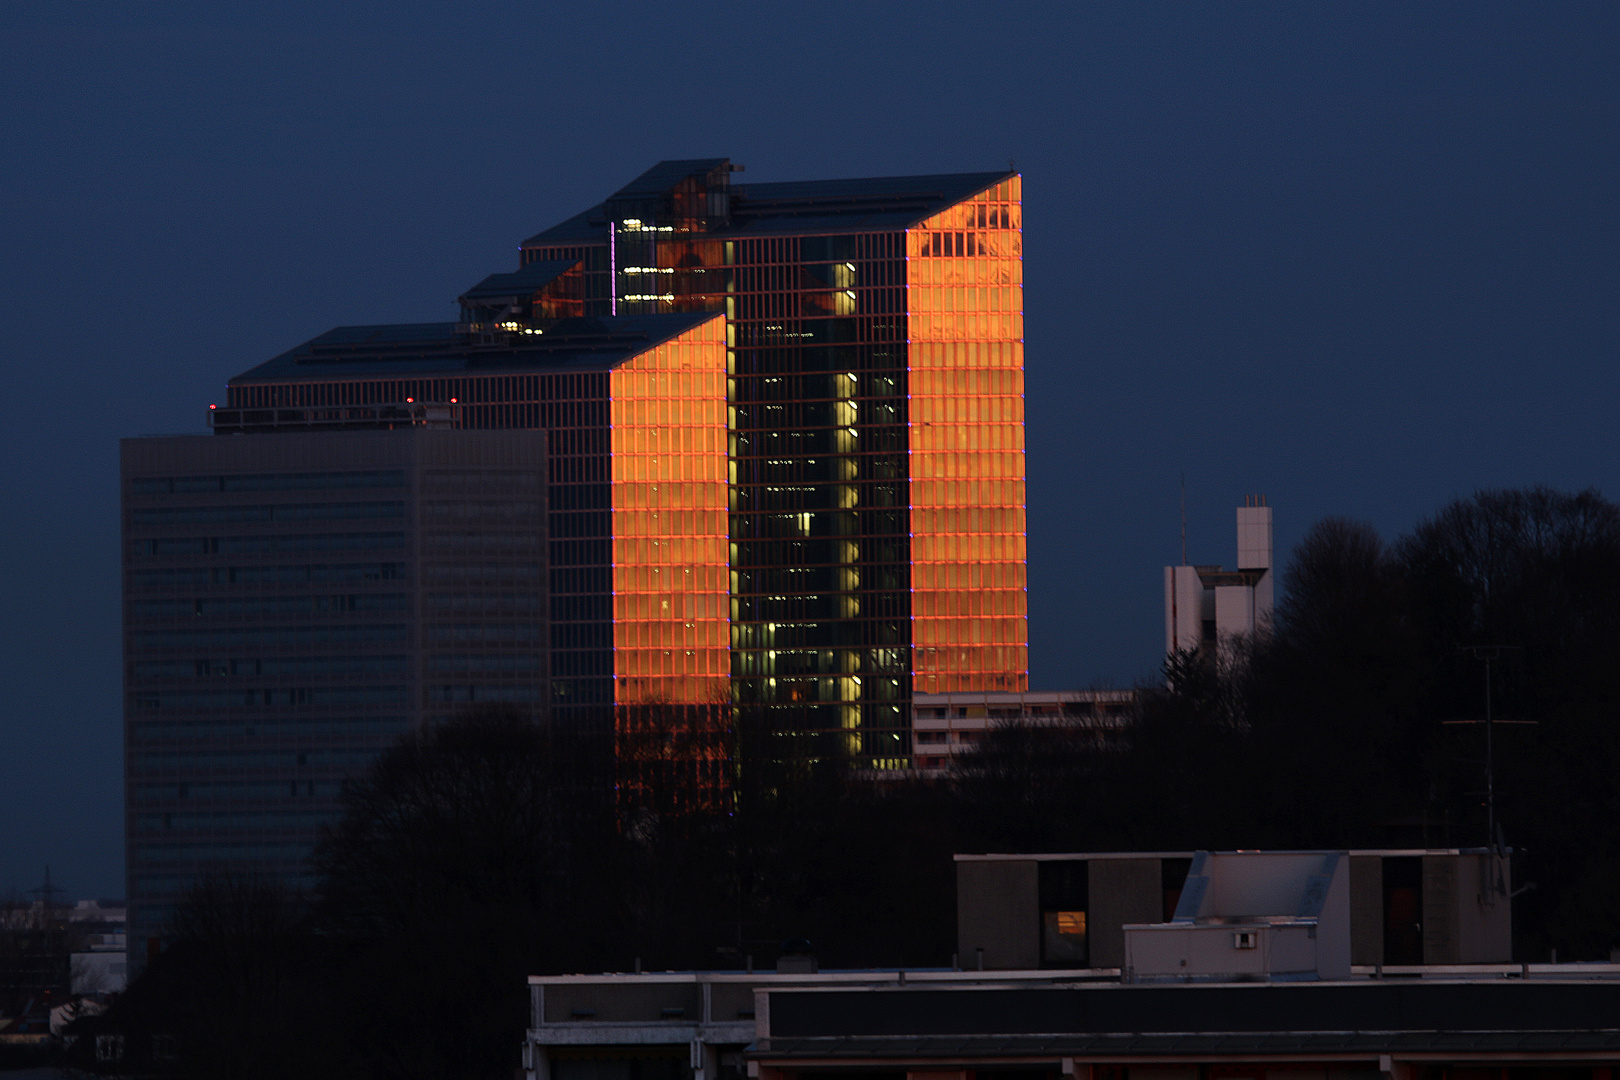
<point>964,293</point>
<point>819,523</point>
<point>670,618</point>
<point>635,531</point>
<point>868,395</point>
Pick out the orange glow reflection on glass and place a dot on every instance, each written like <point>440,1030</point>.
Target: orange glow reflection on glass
<point>966,360</point>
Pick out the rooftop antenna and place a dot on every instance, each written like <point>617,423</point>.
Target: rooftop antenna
<point>1488,653</point>
<point>46,891</point>
<point>1183,518</point>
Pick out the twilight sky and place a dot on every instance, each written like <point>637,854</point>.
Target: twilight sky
<point>1359,257</point>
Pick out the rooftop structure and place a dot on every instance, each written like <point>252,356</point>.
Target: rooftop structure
<point>1076,1019</point>
<point>1407,907</point>
<point>1269,915</point>
<point>1206,607</point>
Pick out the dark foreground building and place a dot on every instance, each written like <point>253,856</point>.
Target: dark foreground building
<point>1441,1030</point>
<point>1530,1024</point>
<point>1242,969</point>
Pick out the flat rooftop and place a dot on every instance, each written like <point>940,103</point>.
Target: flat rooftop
<point>418,349</point>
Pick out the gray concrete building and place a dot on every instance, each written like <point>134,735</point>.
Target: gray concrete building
<point>1406,907</point>
<point>1206,608</point>
<point>293,603</point>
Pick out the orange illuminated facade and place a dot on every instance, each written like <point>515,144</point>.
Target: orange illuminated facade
<point>785,427</point>
<point>671,627</point>
<point>636,637</point>
<point>964,292</point>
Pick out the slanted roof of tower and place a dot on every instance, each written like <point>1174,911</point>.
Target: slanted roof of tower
<point>536,275</point>
<point>873,204</point>
<point>879,204</point>
<point>415,349</point>
<point>666,174</point>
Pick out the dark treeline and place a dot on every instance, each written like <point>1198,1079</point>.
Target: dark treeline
<point>470,857</point>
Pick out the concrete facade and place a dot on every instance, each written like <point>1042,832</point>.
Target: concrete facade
<point>998,914</point>
<point>293,604</point>
<point>1122,891</point>
<point>1245,915</point>
<point>1205,606</point>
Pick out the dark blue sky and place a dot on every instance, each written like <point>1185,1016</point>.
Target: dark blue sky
<point>1359,257</point>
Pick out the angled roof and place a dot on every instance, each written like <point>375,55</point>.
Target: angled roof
<point>418,349</point>
<point>534,276</point>
<point>665,175</point>
<point>873,204</point>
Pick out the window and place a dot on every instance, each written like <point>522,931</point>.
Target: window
<point>484,662</point>
<point>275,665</point>
<point>213,515</point>
<point>188,485</point>
<point>466,694</point>
<point>253,545</point>
<point>281,635</point>
<point>1063,887</point>
<point>279,697</point>
<point>270,605</point>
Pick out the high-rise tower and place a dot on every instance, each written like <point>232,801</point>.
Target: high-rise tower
<point>870,407</point>
<point>784,491</point>
<point>875,428</point>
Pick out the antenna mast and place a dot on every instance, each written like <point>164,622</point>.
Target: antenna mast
<point>1184,518</point>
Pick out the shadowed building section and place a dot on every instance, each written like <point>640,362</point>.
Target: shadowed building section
<point>292,605</point>
<point>634,408</point>
<point>388,542</point>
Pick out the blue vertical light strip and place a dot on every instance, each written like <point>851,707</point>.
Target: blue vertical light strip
<point>613,271</point>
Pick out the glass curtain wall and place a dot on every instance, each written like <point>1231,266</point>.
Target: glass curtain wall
<point>671,624</point>
<point>574,410</point>
<point>818,511</point>
<point>637,473</point>
<point>593,287</point>
<point>874,384</point>
<point>966,376</point>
